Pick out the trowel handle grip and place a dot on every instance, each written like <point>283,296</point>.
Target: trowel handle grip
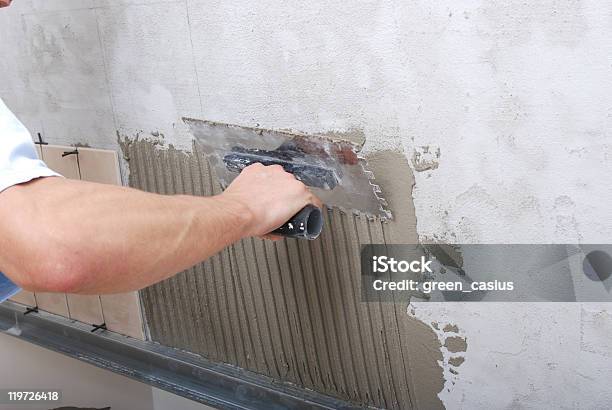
<point>306,224</point>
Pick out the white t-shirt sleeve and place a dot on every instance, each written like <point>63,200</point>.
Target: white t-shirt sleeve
<point>19,162</point>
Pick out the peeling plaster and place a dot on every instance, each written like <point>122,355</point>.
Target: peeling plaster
<point>425,158</point>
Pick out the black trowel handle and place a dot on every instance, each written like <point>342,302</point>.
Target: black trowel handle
<point>306,224</point>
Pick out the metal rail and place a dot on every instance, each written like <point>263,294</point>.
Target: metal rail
<point>188,375</point>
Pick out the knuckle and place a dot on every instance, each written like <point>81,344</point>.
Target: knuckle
<point>251,168</point>
<point>304,189</point>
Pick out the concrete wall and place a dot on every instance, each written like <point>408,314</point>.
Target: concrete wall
<point>503,108</point>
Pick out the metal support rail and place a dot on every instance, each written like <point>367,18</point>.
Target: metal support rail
<point>181,373</point>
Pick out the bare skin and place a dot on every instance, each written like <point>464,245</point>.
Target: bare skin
<point>61,235</point>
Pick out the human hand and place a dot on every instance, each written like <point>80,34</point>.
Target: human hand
<point>5,3</point>
<point>271,196</point>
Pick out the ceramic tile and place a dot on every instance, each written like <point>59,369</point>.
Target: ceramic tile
<point>53,303</point>
<point>85,308</point>
<point>122,314</point>
<point>25,298</point>
<point>67,166</point>
<point>99,166</point>
<point>122,311</point>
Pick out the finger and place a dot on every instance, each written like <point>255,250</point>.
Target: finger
<point>276,167</point>
<point>254,165</point>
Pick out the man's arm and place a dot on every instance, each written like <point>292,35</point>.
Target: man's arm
<point>78,237</point>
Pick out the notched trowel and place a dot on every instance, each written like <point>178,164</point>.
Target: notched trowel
<point>331,168</point>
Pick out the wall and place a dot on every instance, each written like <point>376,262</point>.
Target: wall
<point>503,108</point>
<point>292,309</point>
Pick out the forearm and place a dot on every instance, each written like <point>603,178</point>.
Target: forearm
<point>111,239</point>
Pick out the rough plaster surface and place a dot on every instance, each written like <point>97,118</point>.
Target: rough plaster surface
<point>292,310</point>
<point>517,96</point>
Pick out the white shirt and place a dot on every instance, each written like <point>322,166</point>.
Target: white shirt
<point>19,163</point>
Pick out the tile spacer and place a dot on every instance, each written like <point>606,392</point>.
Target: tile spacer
<point>31,310</point>
<point>40,140</point>
<point>98,327</point>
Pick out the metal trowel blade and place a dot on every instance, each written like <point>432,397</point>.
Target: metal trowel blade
<point>355,190</point>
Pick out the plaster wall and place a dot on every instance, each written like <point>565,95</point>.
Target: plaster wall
<point>504,110</point>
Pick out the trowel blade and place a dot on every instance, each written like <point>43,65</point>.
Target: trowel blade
<point>355,192</point>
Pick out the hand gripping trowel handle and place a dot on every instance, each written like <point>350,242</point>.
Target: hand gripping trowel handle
<point>308,223</point>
